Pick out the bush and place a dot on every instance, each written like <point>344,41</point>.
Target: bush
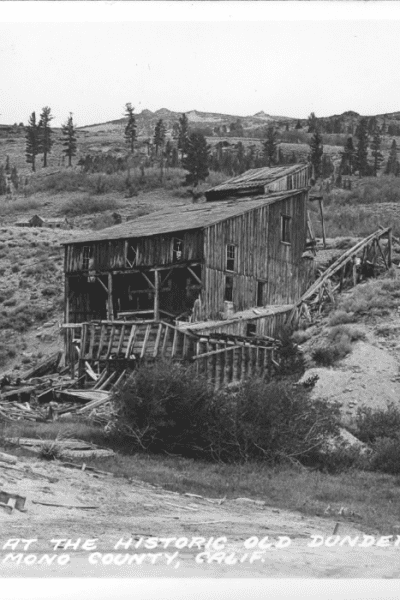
<point>340,317</point>
<point>372,424</point>
<point>386,455</point>
<point>166,408</point>
<point>344,333</point>
<point>328,355</point>
<point>88,205</point>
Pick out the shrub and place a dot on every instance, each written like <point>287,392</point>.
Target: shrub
<point>371,424</point>
<point>166,408</point>
<point>327,356</point>
<point>341,317</point>
<point>88,205</point>
<point>386,455</point>
<point>299,337</point>
<point>343,333</point>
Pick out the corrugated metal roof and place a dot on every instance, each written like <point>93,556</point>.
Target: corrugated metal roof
<point>258,177</point>
<point>185,217</point>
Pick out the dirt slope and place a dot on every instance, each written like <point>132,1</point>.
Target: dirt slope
<point>132,509</point>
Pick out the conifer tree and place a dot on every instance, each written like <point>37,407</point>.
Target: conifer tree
<point>131,127</point>
<point>298,125</point>
<point>316,152</point>
<point>45,132</point>
<point>196,159</point>
<point>159,135</point>
<point>376,151</point>
<point>270,145</point>
<point>183,134</point>
<point>69,139</point>
<point>33,146</point>
<point>348,157</point>
<point>362,149</point>
<point>393,165</point>
<point>312,123</point>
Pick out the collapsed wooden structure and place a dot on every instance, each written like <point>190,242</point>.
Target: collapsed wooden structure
<point>109,349</point>
<point>365,259</point>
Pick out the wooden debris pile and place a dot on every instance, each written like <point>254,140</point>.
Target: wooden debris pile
<point>68,448</point>
<point>47,393</point>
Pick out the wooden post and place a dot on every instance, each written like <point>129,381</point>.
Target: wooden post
<point>389,259</point>
<point>322,222</point>
<point>156,295</point>
<point>110,308</point>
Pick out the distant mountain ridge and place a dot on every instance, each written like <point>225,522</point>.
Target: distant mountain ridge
<point>221,123</point>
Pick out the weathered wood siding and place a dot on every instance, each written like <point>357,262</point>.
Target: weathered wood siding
<point>156,250</point>
<point>295,181</point>
<point>260,256</point>
<point>269,325</point>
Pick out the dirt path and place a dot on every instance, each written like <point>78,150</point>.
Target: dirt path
<point>134,512</point>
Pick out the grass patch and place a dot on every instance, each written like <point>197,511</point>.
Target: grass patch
<point>341,317</point>
<point>88,205</point>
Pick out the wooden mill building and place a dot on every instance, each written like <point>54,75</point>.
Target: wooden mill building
<point>262,181</point>
<point>194,263</point>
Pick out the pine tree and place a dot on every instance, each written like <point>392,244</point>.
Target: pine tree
<point>270,145</point>
<point>312,123</point>
<point>45,132</point>
<point>131,127</point>
<point>316,152</point>
<point>298,125</point>
<point>33,137</point>
<point>8,167</point>
<point>393,165</point>
<point>69,139</point>
<point>362,149</point>
<point>348,157</point>
<point>196,159</point>
<point>159,135</point>
<point>376,151</point>
<point>183,134</point>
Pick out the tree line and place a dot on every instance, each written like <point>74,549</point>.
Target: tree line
<point>40,137</point>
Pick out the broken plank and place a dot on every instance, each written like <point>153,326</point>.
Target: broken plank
<point>63,505</point>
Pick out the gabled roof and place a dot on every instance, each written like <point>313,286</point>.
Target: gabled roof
<point>183,218</point>
<point>258,177</point>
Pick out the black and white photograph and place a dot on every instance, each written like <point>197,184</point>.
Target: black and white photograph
<point>199,299</point>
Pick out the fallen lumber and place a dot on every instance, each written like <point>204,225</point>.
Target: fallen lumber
<point>63,505</point>
<point>8,458</point>
<point>93,404</point>
<point>70,444</point>
<point>83,396</point>
<point>71,465</point>
<point>49,365</point>
<point>17,393</point>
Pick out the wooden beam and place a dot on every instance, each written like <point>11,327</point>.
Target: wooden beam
<point>103,284</point>
<point>156,296</point>
<point>110,308</point>
<point>146,337</point>
<point>148,281</point>
<point>322,221</point>
<point>195,276</point>
<point>131,341</point>
<point>390,244</point>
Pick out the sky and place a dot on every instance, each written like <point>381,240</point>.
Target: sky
<point>92,60</point>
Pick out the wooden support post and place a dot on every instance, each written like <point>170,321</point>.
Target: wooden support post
<point>156,295</point>
<point>66,300</point>
<point>322,222</point>
<point>110,307</point>
<point>131,341</point>
<point>390,244</point>
<point>158,338</point>
<point>146,337</point>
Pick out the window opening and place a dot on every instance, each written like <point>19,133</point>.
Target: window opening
<point>230,257</point>
<point>229,288</point>
<point>285,229</point>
